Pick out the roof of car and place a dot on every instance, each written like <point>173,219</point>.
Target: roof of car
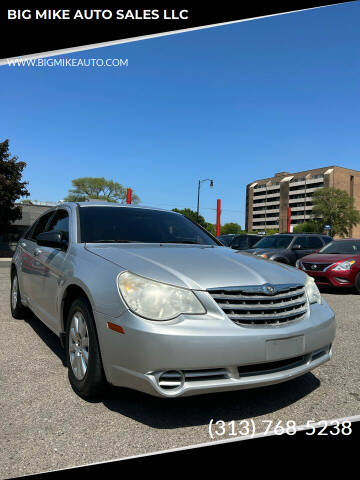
<point>303,233</point>
<point>104,203</point>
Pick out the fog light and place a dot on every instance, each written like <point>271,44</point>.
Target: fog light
<point>341,280</point>
<point>171,379</point>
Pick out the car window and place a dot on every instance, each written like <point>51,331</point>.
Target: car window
<point>253,240</point>
<point>342,246</point>
<point>314,243</point>
<point>39,226</point>
<point>128,224</point>
<point>60,223</point>
<point>240,242</point>
<point>327,239</point>
<point>274,241</point>
<point>302,241</point>
<point>226,239</point>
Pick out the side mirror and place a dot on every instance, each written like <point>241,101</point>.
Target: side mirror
<point>51,239</point>
<point>297,247</point>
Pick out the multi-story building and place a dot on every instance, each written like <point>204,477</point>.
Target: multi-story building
<point>268,199</point>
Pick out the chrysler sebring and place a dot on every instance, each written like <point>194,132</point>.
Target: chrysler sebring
<point>146,299</point>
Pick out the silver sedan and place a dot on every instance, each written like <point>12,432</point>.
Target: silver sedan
<point>146,299</point>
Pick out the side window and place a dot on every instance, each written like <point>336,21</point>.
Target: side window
<point>60,223</point>
<point>302,241</point>
<point>314,243</point>
<point>253,240</point>
<point>39,226</point>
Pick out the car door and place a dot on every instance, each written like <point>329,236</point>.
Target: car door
<point>314,244</point>
<point>30,267</point>
<point>300,246</point>
<point>52,260</point>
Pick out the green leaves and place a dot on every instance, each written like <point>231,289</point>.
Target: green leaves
<point>231,227</point>
<point>335,207</point>
<point>98,188</point>
<point>11,186</point>
<point>309,227</point>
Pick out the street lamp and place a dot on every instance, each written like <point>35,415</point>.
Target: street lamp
<point>198,198</point>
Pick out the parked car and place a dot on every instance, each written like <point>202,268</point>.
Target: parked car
<point>239,242</point>
<point>146,299</point>
<point>337,264</point>
<point>288,247</point>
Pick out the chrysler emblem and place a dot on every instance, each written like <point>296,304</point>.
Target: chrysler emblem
<point>269,289</point>
<point>313,267</point>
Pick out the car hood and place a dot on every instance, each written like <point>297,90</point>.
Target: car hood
<point>195,266</point>
<point>327,258</point>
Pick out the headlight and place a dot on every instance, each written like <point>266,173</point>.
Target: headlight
<point>312,291</point>
<point>156,301</point>
<point>298,264</point>
<point>343,266</point>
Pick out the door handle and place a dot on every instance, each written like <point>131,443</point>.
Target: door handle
<point>37,252</point>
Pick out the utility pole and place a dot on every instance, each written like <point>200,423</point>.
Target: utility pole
<point>198,195</point>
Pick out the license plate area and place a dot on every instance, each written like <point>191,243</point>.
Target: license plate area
<point>285,347</point>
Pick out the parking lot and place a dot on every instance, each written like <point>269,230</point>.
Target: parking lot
<point>44,425</point>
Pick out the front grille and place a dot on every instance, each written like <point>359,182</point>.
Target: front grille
<point>315,267</point>
<point>251,306</point>
<point>270,367</point>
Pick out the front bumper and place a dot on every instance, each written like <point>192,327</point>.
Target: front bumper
<point>333,278</point>
<point>209,353</point>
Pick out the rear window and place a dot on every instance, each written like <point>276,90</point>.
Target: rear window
<point>275,241</point>
<point>121,225</point>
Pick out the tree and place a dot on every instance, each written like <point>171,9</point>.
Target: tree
<point>98,188</point>
<point>336,208</point>
<point>187,212</point>
<point>11,186</point>
<point>231,227</point>
<point>309,227</point>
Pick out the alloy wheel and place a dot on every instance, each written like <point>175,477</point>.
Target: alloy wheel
<point>79,345</point>
<point>14,292</point>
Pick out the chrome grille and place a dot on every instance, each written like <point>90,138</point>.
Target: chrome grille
<point>316,267</point>
<point>258,306</point>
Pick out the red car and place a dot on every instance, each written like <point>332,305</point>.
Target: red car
<point>337,264</point>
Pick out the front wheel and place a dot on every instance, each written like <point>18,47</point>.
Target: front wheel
<point>83,357</point>
<point>357,283</point>
<point>17,308</point>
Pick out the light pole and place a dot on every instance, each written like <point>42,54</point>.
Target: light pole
<point>198,197</point>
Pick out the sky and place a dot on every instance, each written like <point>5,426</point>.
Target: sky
<point>232,103</point>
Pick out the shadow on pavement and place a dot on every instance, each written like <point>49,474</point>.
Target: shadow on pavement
<point>46,335</point>
<point>337,291</point>
<point>162,413</point>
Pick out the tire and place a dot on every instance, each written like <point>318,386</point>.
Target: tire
<point>83,358</point>
<point>18,310</point>
<point>357,283</point>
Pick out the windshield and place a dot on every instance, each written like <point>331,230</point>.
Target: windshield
<point>274,241</point>
<point>342,247</point>
<point>123,225</point>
